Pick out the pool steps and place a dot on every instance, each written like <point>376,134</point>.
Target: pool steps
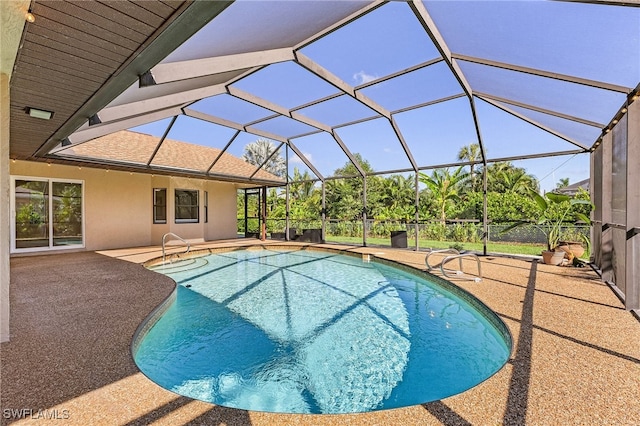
<point>164,238</point>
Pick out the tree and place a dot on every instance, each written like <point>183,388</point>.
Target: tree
<point>562,183</point>
<point>306,199</point>
<point>473,154</point>
<point>257,152</point>
<point>344,196</point>
<point>396,197</point>
<point>444,187</point>
<point>503,176</point>
<point>301,186</point>
<point>349,169</point>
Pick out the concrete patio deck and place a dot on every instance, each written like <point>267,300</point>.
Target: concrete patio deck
<point>576,355</point>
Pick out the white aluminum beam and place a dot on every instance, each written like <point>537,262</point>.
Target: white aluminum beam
<point>112,127</point>
<point>328,30</point>
<point>430,27</point>
<point>426,104</point>
<point>399,73</point>
<point>305,160</point>
<point>348,154</point>
<point>541,73</point>
<point>274,152</point>
<point>485,96</point>
<point>223,150</point>
<point>183,70</point>
<point>436,37</point>
<point>155,103</point>
<point>535,123</point>
<point>336,81</point>
<point>231,124</point>
<point>403,143</point>
<point>240,94</point>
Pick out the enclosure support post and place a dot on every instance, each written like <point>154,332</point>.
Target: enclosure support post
<point>485,225</point>
<point>246,213</point>
<point>286,197</point>
<point>364,210</point>
<point>263,214</point>
<point>324,212</point>
<point>417,215</point>
<point>632,266</point>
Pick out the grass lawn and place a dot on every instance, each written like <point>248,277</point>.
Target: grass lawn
<point>492,247</point>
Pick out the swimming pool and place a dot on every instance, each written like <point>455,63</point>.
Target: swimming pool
<point>317,332</point>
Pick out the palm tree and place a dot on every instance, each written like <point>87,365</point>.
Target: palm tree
<point>444,187</point>
<point>473,154</point>
<point>257,152</point>
<point>562,183</point>
<point>396,193</point>
<point>301,186</point>
<point>504,177</point>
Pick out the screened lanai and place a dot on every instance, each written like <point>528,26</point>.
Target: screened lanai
<point>392,89</point>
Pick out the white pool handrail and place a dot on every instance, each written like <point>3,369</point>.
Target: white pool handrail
<point>459,273</point>
<point>164,237</point>
<point>442,251</point>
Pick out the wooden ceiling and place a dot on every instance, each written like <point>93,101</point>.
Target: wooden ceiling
<point>79,55</point>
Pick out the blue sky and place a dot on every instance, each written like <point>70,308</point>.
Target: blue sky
<point>550,36</point>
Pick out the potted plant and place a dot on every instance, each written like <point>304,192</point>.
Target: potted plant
<point>553,216</point>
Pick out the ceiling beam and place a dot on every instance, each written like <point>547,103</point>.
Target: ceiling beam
<point>398,73</point>
<point>155,103</point>
<point>486,96</point>
<point>345,21</point>
<point>436,37</point>
<point>535,123</point>
<point>183,70</point>
<point>245,96</point>
<point>348,153</point>
<point>547,74</point>
<point>115,126</point>
<point>534,156</point>
<point>231,124</point>
<point>215,160</point>
<point>305,160</point>
<point>627,3</point>
<point>426,104</point>
<point>340,84</point>
<point>274,152</point>
<point>403,143</point>
<point>161,141</point>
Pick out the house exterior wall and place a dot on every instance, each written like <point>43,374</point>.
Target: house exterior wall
<point>118,206</point>
<point>5,235</point>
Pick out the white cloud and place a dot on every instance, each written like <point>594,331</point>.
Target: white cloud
<point>362,77</point>
<point>296,159</point>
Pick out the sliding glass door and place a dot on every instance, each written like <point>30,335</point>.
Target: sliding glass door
<point>47,213</point>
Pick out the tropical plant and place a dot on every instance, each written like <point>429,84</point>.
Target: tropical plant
<point>472,153</point>
<point>562,183</point>
<point>262,152</point>
<point>503,176</point>
<point>444,187</point>
<point>395,197</point>
<point>555,211</point>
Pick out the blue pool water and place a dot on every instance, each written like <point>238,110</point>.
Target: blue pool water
<point>317,332</point>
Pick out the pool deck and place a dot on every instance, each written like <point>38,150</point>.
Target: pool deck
<point>575,359</point>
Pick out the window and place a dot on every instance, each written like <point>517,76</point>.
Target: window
<point>187,209</point>
<point>206,207</point>
<point>159,205</point>
<point>47,214</point>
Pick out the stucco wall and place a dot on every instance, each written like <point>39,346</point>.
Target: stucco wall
<point>118,206</point>
<point>5,236</point>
